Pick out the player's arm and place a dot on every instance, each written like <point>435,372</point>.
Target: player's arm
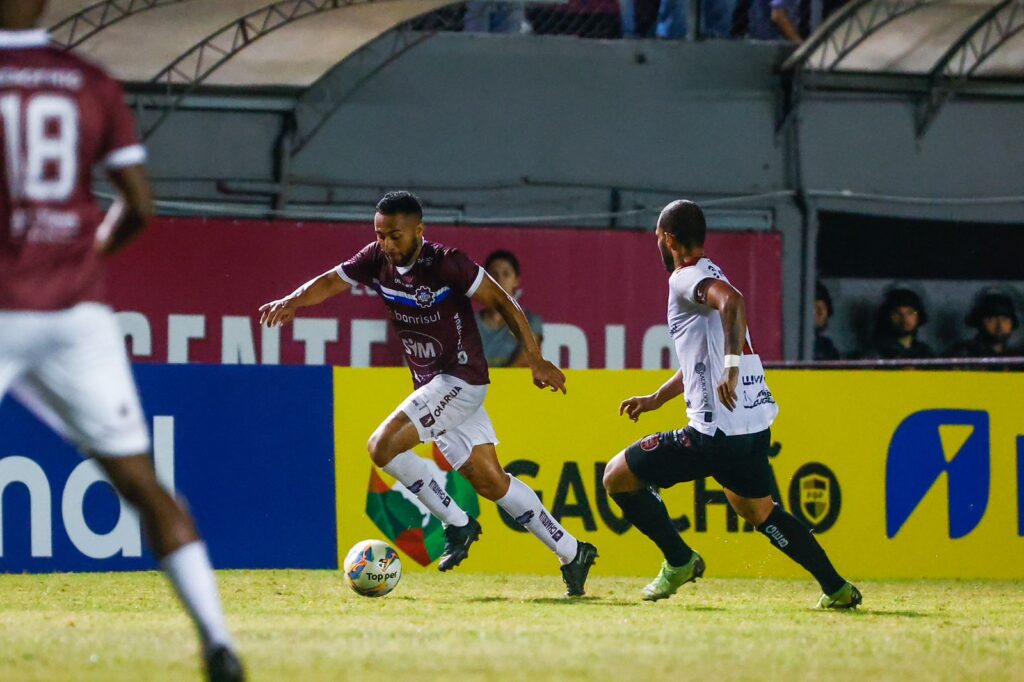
<point>638,404</point>
<point>733,310</point>
<point>315,291</point>
<point>545,374</point>
<point>130,212</point>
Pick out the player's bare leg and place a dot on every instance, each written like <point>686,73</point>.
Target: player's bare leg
<point>797,542</point>
<point>390,448</point>
<point>645,510</point>
<point>172,534</point>
<point>519,501</point>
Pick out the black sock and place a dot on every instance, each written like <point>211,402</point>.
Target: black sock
<point>796,541</point>
<point>647,512</point>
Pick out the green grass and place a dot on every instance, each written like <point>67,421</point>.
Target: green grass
<point>306,625</point>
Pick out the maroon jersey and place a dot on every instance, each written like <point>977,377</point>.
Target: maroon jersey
<point>59,117</point>
<point>430,308</point>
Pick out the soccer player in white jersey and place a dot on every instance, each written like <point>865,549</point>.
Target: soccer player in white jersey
<point>728,435</point>
<point>61,352</point>
<point>426,288</point>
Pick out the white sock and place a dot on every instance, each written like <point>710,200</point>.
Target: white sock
<point>189,570</point>
<point>413,472</point>
<point>523,505</point>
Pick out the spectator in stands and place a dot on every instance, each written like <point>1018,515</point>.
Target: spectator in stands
<point>639,18</point>
<point>994,318</point>
<point>824,348</point>
<point>900,316</point>
<point>495,17</point>
<point>500,345</point>
<point>774,20</point>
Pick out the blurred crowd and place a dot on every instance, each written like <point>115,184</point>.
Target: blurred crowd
<point>774,20</point>
<point>988,328</point>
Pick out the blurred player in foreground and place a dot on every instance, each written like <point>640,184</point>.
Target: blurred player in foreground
<point>427,288</point>
<point>728,437</point>
<point>61,352</point>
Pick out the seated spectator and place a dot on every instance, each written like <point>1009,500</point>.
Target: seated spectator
<point>824,348</point>
<point>900,317</point>
<point>501,348</point>
<point>994,318</point>
<point>774,20</point>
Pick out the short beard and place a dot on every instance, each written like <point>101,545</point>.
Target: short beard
<point>407,257</point>
<point>666,258</point>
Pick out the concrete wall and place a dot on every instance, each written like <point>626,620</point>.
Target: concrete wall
<point>488,126</point>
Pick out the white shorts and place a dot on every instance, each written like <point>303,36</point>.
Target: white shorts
<point>70,368</point>
<point>451,413</point>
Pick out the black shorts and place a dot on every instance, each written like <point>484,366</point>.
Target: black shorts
<point>739,463</point>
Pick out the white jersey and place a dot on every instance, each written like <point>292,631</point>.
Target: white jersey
<point>699,339</point>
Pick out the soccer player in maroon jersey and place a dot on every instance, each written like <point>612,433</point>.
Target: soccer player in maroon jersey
<point>427,288</point>
<point>61,352</point>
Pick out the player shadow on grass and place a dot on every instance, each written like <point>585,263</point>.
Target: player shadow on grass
<point>861,613</point>
<point>589,601</point>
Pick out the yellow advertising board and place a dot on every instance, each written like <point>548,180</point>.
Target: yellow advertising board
<point>901,474</point>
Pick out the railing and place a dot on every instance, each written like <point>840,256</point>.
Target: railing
<point>1007,364</point>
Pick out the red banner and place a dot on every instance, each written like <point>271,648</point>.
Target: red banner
<point>189,289</point>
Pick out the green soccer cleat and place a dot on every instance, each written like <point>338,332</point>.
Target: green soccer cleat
<point>846,597</point>
<point>671,578</point>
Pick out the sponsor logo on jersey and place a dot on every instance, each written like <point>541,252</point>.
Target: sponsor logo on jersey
<point>415,319</point>
<point>422,350</point>
<point>762,397</point>
<point>931,443</point>
<point>650,442</point>
<point>416,487</point>
<point>427,420</point>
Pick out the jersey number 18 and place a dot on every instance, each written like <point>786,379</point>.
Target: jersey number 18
<point>41,148</point>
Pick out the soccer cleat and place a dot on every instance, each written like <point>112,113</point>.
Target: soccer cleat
<point>574,573</point>
<point>846,597</point>
<point>671,578</point>
<point>457,540</point>
<point>222,665</point>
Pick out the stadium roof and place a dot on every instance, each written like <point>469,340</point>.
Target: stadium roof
<point>934,38</point>
<point>290,43</point>
<point>932,49</point>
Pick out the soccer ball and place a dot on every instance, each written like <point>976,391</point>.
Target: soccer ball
<point>372,568</point>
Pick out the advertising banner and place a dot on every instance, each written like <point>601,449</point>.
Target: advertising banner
<point>250,449</point>
<point>900,474</point>
<point>188,291</point>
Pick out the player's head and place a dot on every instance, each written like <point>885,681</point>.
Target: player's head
<point>503,267</point>
<point>994,316</point>
<point>20,14</point>
<point>681,229</point>
<point>399,226</point>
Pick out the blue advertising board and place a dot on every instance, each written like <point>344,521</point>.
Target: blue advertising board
<point>250,448</point>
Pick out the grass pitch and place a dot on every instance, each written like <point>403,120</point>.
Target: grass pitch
<point>306,625</point>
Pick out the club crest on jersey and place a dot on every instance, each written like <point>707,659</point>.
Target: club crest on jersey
<point>424,297</point>
<point>650,442</point>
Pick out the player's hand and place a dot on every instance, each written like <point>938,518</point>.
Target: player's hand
<point>277,313</point>
<point>546,375</point>
<point>727,389</point>
<point>637,405</point>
